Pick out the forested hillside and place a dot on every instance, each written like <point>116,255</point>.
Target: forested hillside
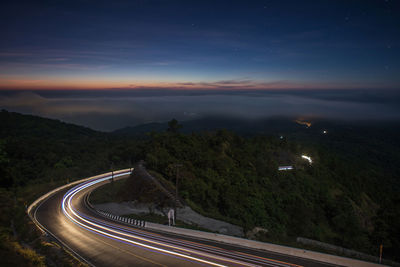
<point>348,196</point>
<point>39,149</point>
<point>37,155</point>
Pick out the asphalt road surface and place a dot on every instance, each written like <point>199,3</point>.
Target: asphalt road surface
<point>99,241</point>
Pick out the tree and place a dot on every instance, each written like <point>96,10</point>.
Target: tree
<point>3,154</point>
<point>5,180</point>
<point>173,126</point>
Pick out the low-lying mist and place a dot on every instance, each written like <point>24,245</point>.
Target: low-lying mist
<point>110,110</point>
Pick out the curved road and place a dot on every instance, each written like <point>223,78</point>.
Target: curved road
<point>100,241</point>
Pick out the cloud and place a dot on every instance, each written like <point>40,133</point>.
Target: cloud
<point>57,59</point>
<point>247,84</point>
<point>23,99</point>
<point>109,110</point>
<point>51,65</point>
<point>241,85</point>
<point>54,107</point>
<point>252,85</point>
<point>15,54</point>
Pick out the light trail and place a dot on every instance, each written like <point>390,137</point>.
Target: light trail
<point>126,236</point>
<point>67,206</point>
<point>195,245</point>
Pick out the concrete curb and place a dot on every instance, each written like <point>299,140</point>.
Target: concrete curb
<point>295,252</point>
<point>301,253</point>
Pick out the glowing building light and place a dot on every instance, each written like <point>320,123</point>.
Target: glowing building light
<point>307,158</point>
<point>285,168</point>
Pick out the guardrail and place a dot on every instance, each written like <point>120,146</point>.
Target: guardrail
<point>220,238</point>
<point>129,221</point>
<point>336,260</point>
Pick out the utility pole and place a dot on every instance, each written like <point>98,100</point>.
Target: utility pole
<point>177,165</point>
<point>112,172</point>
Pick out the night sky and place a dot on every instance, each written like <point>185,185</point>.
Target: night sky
<point>220,51</point>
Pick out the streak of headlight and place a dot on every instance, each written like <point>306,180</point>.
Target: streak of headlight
<point>66,205</point>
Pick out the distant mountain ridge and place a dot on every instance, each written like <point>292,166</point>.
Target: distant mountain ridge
<point>353,181</point>
<point>241,126</point>
<point>16,124</point>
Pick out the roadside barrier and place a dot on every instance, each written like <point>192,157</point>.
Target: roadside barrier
<point>133,222</point>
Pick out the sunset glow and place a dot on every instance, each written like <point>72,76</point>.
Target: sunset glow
<point>203,46</point>
<point>112,65</point>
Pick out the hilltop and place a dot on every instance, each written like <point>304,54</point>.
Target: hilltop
<point>349,196</point>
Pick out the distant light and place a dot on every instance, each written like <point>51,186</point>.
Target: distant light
<point>325,131</point>
<point>306,123</point>
<point>281,137</point>
<point>285,168</point>
<point>307,158</point>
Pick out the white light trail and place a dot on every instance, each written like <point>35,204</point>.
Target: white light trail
<point>115,234</point>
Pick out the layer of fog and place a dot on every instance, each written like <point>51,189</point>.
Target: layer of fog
<point>110,111</point>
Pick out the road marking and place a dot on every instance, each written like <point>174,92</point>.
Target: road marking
<point>44,230</point>
<point>89,183</point>
<point>131,253</point>
<point>67,207</point>
<point>269,259</point>
<point>183,252</point>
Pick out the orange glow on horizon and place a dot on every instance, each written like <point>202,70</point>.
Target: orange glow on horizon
<point>125,84</point>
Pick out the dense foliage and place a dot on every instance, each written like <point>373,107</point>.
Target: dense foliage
<point>349,196</point>
<point>37,155</point>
